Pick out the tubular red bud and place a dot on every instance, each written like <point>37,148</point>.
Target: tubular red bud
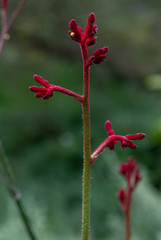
<point>91,41</point>
<point>123,169</point>
<point>122,196</point>
<point>97,52</point>
<point>137,136</point>
<point>99,58</point>
<point>91,18</point>
<point>37,89</point>
<point>73,25</point>
<point>40,95</point>
<point>40,80</point>
<point>105,50</point>
<point>88,28</point>
<point>109,129</point>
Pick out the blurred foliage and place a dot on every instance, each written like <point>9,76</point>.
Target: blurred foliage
<point>43,139</point>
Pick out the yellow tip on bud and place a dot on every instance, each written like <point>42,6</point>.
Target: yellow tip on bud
<point>6,36</point>
<point>72,34</point>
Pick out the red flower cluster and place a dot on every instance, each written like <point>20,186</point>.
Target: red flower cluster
<point>97,56</point>
<point>132,176</point>
<point>88,36</point>
<point>110,142</point>
<point>125,140</point>
<point>48,90</point>
<point>44,92</point>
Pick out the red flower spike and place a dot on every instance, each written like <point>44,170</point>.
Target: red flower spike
<point>132,176</point>
<point>112,139</point>
<point>88,37</point>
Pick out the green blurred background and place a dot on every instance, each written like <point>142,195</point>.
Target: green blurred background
<point>43,139</point>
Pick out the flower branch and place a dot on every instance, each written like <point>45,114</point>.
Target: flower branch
<point>86,39</point>
<point>132,176</point>
<point>48,90</point>
<point>7,24</point>
<point>110,142</point>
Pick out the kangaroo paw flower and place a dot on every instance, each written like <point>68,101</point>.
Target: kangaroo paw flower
<point>110,142</point>
<point>48,90</point>
<point>97,56</point>
<point>88,37</point>
<point>44,92</point>
<point>132,176</point>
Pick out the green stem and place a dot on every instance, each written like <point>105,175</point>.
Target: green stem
<point>127,214</point>
<point>86,149</point>
<point>14,192</point>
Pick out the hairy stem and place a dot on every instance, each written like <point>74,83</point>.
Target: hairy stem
<point>86,148</point>
<point>14,192</point>
<point>76,96</point>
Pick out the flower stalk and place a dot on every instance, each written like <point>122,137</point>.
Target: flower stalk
<point>86,148</point>
<point>132,177</point>
<point>86,39</point>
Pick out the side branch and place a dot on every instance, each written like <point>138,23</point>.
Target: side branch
<point>48,90</point>
<point>9,181</point>
<point>16,13</point>
<point>76,96</point>
<point>110,142</point>
<point>7,24</point>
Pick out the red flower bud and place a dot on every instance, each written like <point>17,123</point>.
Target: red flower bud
<point>91,41</point>
<point>73,25</point>
<point>123,169</point>
<point>137,136</point>
<point>91,18</point>
<point>131,164</point>
<point>40,80</point>
<point>109,129</point>
<point>122,196</point>
<point>105,50</point>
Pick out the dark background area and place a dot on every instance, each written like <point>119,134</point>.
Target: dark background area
<point>43,139</point>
